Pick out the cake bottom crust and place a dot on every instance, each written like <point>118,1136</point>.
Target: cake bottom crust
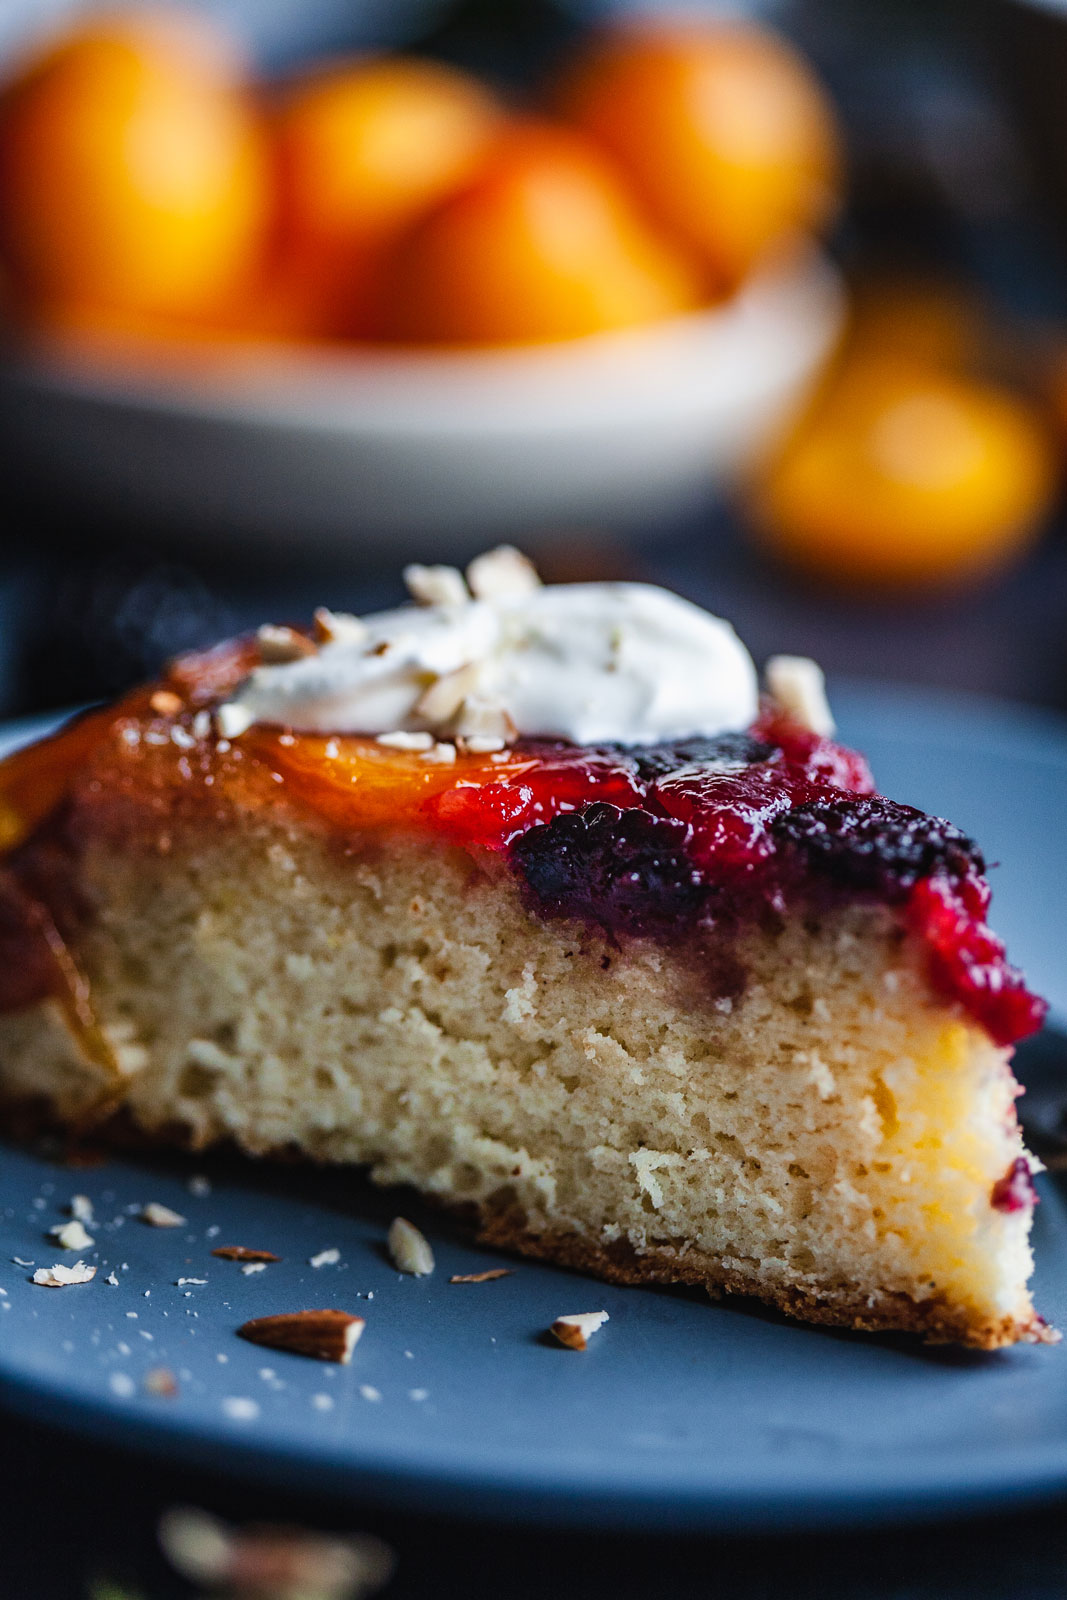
<point>878,1312</point>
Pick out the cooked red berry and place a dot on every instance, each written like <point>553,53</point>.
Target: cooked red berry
<point>1015,1191</point>
<point>874,844</point>
<point>626,871</point>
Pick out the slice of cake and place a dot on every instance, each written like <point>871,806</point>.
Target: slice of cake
<point>521,895</point>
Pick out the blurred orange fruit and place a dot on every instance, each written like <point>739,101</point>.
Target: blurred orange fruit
<point>722,127</point>
<point>542,243</point>
<point>362,148</point>
<point>904,475</point>
<point>133,174</point>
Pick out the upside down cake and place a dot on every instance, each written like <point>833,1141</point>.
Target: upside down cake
<point>523,895</point>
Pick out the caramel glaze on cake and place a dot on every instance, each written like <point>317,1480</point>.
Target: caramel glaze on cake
<point>700,870</point>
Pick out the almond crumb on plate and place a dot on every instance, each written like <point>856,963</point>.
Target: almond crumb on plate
<point>162,1382</point>
<point>577,1329</point>
<point>325,1258</point>
<point>240,1252</point>
<point>327,1335</point>
<point>81,1208</point>
<point>71,1235</point>
<point>59,1276</point>
<point>278,645</point>
<point>265,1559</point>
<point>160,1216</point>
<point>409,1249</point>
<point>481,1277</point>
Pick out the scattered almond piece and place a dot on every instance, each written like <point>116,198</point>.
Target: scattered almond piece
<point>232,720</point>
<point>409,1249</point>
<point>406,741</point>
<point>251,1267</point>
<point>443,698</point>
<point>166,703</point>
<point>480,717</point>
<point>325,1335</point>
<point>81,1208</point>
<point>159,1216</point>
<point>240,1252</point>
<point>442,755</point>
<point>277,645</point>
<point>499,572</point>
<point>210,1555</point>
<point>339,627</point>
<point>161,1381</point>
<point>576,1330</point>
<point>797,684</point>
<point>483,745</point>
<point>436,586</point>
<point>481,1277</point>
<point>325,1258</point>
<point>71,1235</point>
<point>58,1277</point>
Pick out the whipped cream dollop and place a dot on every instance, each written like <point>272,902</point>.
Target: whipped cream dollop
<point>625,663</point>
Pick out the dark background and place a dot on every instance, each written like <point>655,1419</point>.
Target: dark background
<point>948,173</point>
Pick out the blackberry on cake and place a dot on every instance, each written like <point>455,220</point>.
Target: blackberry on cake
<point>522,895</point>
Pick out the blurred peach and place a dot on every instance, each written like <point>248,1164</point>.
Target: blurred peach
<point>362,148</point>
<point>542,243</point>
<point>722,127</point>
<point>133,174</point>
<point>907,475</point>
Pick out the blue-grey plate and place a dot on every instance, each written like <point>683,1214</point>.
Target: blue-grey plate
<point>680,1414</point>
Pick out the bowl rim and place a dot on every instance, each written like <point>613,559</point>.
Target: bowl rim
<point>789,313</point>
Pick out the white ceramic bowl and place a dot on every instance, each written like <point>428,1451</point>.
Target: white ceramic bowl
<point>420,449</point>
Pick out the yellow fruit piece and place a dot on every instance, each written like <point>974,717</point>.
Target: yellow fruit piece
<point>904,475</point>
<point>133,173</point>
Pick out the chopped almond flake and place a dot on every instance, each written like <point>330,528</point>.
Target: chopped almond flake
<point>481,1277</point>
<point>327,1335</point>
<point>161,1381</point>
<point>444,697</point>
<point>233,720</point>
<point>159,1216</point>
<point>279,645</point>
<point>325,1258</point>
<point>441,755</point>
<point>409,1249</point>
<point>576,1330</point>
<point>240,1252</point>
<point>339,627</point>
<point>58,1277</point>
<point>436,586</point>
<point>71,1236</point>
<point>797,684</point>
<point>405,741</point>
<point>503,571</point>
